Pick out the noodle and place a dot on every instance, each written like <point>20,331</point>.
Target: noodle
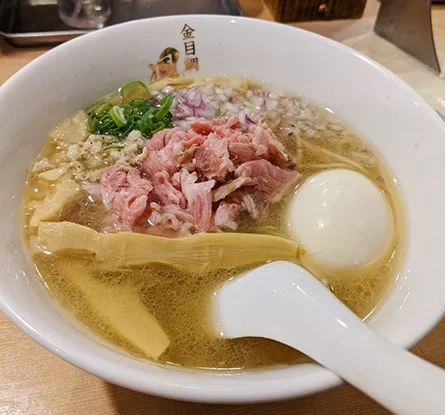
<point>347,161</point>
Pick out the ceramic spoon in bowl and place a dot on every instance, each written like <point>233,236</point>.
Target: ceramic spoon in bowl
<point>284,302</point>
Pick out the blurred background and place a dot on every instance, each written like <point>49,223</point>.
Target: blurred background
<point>28,22</point>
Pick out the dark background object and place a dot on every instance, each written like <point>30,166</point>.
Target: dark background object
<point>306,10</point>
<point>31,22</point>
<point>408,25</point>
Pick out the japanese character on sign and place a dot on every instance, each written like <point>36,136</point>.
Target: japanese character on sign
<point>189,47</point>
<point>191,64</point>
<point>187,32</point>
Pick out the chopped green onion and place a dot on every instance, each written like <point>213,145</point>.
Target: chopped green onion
<point>98,107</point>
<point>160,126</point>
<point>133,90</point>
<point>165,105</point>
<point>118,117</point>
<point>92,123</point>
<point>114,98</point>
<point>117,114</point>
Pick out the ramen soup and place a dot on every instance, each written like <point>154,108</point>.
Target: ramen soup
<point>139,207</point>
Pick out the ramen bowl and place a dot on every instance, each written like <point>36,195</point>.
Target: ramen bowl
<point>383,109</point>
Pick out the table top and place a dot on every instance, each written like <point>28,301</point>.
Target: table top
<point>33,381</point>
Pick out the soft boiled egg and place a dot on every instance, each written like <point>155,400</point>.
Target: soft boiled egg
<point>341,218</point>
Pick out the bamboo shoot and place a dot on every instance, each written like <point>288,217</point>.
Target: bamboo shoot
<point>52,205</point>
<point>121,309</point>
<point>203,252</point>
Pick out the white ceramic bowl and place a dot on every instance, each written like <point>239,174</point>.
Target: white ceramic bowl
<point>408,133</point>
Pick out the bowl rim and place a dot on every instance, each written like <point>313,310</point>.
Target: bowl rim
<point>206,391</point>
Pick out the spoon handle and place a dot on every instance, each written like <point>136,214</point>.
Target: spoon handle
<point>284,302</point>
<point>399,380</point>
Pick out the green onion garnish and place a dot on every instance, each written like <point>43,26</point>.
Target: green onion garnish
<point>117,114</point>
<point>164,107</point>
<point>109,117</point>
<point>133,90</point>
